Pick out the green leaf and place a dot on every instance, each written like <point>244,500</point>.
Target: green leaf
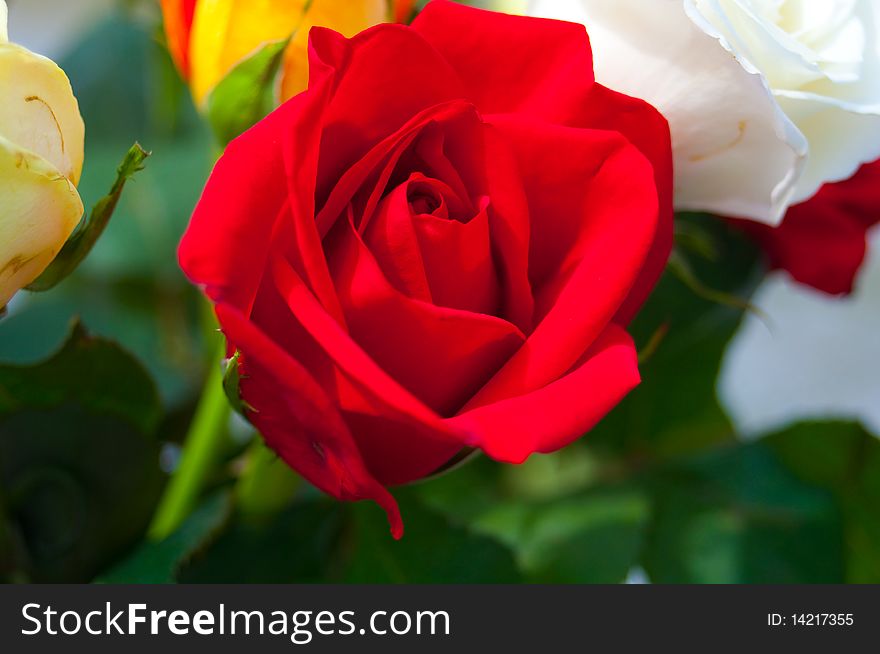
<point>90,229</point>
<point>79,473</point>
<point>845,459</point>
<point>297,545</point>
<point>160,562</point>
<point>592,538</point>
<point>90,372</point>
<point>693,237</point>
<point>433,549</point>
<point>739,515</point>
<point>552,512</point>
<point>247,94</point>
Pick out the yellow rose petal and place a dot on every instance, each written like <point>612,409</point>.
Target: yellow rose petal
<point>39,111</point>
<point>39,208</point>
<point>226,31</point>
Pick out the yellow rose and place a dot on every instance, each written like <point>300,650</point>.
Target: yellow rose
<point>41,157</point>
<point>207,38</point>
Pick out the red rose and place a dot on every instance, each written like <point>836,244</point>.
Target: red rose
<point>436,247</point>
<point>822,242</point>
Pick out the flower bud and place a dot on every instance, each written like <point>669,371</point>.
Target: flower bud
<point>41,157</point>
<point>208,38</point>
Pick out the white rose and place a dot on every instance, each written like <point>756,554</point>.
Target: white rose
<point>41,157</point>
<point>767,99</point>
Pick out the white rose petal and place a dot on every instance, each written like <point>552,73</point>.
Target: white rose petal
<point>817,360</point>
<point>766,99</point>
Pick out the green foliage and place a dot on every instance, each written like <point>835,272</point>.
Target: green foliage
<point>79,472</point>
<point>844,459</point>
<point>738,515</point>
<point>91,372</point>
<point>316,539</point>
<point>160,562</point>
<point>295,546</point>
<point>593,537</point>
<point>434,549</point>
<point>247,94</point>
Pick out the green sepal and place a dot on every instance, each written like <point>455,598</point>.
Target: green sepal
<point>90,228</point>
<point>247,94</point>
<point>232,385</point>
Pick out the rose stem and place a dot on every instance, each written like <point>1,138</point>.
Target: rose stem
<point>202,448</point>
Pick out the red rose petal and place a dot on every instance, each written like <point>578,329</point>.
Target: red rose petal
<point>543,68</point>
<point>370,70</point>
<point>593,220</point>
<point>417,251</point>
<point>441,355</point>
<point>646,129</point>
<point>511,64</point>
<point>549,418</point>
<point>822,242</point>
<point>349,357</point>
<point>298,420</point>
<point>224,250</point>
<point>398,452</point>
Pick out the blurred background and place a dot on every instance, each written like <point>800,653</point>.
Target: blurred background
<point>776,478</point>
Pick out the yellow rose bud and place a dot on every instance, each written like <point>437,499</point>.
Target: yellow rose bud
<point>209,37</point>
<point>41,156</point>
